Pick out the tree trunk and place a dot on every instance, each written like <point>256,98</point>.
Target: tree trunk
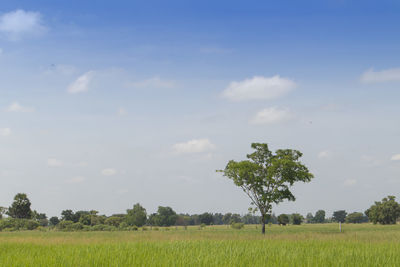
<point>263,228</point>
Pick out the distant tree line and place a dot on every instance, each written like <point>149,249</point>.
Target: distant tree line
<point>21,217</point>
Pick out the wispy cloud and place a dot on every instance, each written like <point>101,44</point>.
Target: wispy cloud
<point>388,75</point>
<point>19,23</point>
<point>395,157</point>
<point>258,87</point>
<point>324,154</point>
<point>81,84</point>
<point>193,146</point>
<point>5,131</point>
<point>108,172</point>
<point>271,115</point>
<point>16,107</point>
<point>52,162</point>
<point>349,182</point>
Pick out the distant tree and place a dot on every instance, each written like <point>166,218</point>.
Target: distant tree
<point>3,210</point>
<point>235,218</point>
<point>79,214</point>
<point>41,218</point>
<point>68,215</point>
<point>183,220</point>
<point>21,207</point>
<point>206,218</point>
<point>136,216</point>
<point>165,216</point>
<point>85,219</point>
<point>226,219</point>
<point>296,219</point>
<point>319,216</point>
<point>309,218</point>
<point>339,216</point>
<point>271,218</point>
<point>356,217</point>
<point>114,221</point>
<point>217,218</point>
<point>385,212</point>
<point>267,177</point>
<point>54,221</point>
<point>283,219</point>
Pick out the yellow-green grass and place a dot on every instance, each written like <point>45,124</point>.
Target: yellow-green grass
<point>305,245</point>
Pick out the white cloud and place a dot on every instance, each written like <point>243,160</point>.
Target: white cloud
<point>193,146</point>
<point>258,87</point>
<point>5,131</point>
<point>154,82</point>
<point>324,154</point>
<point>81,84</point>
<point>388,75</point>
<point>54,162</point>
<point>76,180</point>
<point>395,157</point>
<point>108,172</point>
<point>16,107</point>
<point>271,115</point>
<point>19,23</point>
<point>350,182</point>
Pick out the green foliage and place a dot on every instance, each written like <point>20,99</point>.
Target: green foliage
<point>114,221</point>
<point>68,215</point>
<point>165,216</point>
<point>385,212</point>
<point>237,226</point>
<point>3,210</point>
<point>356,217</point>
<point>339,216</point>
<point>266,177</point>
<point>319,216</point>
<point>18,224</point>
<point>54,221</point>
<point>21,207</point>
<point>136,216</point>
<point>85,219</point>
<point>63,225</point>
<point>283,219</point>
<point>296,219</point>
<point>206,218</point>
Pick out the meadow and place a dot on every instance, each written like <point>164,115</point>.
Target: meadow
<point>304,245</point>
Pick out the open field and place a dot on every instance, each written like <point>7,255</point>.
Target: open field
<point>305,245</point>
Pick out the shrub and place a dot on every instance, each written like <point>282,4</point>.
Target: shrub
<point>237,226</point>
<point>99,227</point>
<point>144,228</point>
<point>155,228</point>
<point>64,224</point>
<point>133,228</point>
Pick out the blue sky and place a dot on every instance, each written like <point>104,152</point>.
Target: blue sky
<point>106,104</point>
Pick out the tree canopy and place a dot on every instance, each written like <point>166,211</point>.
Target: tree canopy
<point>386,211</point>
<point>266,177</point>
<point>21,207</point>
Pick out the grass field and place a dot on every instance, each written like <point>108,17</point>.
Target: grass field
<point>305,245</point>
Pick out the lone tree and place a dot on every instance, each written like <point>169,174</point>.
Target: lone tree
<point>266,177</point>
<point>21,207</point>
<point>339,216</point>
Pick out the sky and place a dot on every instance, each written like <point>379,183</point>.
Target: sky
<point>104,104</point>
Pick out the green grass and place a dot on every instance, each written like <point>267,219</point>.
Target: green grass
<point>305,245</point>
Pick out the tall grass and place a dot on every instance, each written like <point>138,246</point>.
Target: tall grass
<point>306,245</point>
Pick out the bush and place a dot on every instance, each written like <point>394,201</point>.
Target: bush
<point>144,228</point>
<point>155,228</point>
<point>283,219</point>
<point>75,227</point>
<point>63,225</point>
<point>133,228</point>
<point>99,227</point>
<point>237,226</point>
